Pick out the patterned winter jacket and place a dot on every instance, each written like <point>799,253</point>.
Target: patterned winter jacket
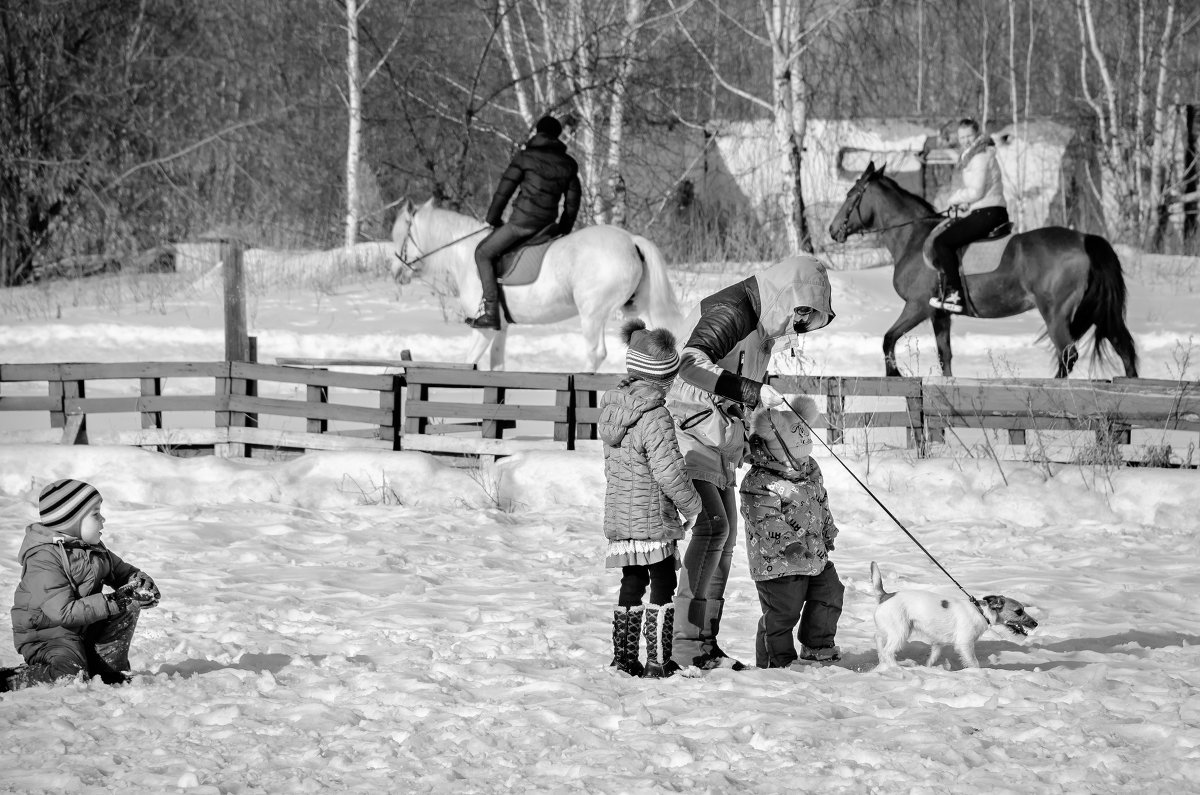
<point>545,174</point>
<point>783,506</point>
<point>60,592</point>
<point>724,362</point>
<point>646,485</point>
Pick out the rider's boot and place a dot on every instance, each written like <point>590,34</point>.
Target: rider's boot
<point>488,318</point>
<point>950,294</point>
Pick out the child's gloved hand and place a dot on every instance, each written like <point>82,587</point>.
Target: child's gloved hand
<point>122,598</point>
<point>689,522</point>
<point>144,591</point>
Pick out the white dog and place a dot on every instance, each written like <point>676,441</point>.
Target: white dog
<point>939,621</point>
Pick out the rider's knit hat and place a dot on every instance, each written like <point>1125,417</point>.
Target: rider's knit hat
<point>64,503</point>
<point>549,127</point>
<point>651,354</point>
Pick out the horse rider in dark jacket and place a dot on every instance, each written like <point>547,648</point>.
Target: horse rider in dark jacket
<point>546,175</point>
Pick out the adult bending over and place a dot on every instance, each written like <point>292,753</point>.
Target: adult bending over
<point>724,366</point>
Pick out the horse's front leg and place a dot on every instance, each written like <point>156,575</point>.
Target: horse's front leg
<point>914,312</point>
<point>481,341</point>
<point>941,333</point>
<point>499,340</point>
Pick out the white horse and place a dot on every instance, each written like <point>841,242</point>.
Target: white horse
<point>589,273</point>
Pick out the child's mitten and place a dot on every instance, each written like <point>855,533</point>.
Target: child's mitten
<point>144,590</point>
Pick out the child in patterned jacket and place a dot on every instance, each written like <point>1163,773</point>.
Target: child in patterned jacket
<point>789,535</point>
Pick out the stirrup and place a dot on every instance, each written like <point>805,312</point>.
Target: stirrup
<point>950,303</point>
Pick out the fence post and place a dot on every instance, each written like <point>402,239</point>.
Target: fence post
<point>916,428</point>
<point>237,342</point>
<point>392,401</point>
<point>565,431</point>
<point>835,413</point>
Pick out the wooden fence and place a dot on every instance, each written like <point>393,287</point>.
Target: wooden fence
<point>248,409</point>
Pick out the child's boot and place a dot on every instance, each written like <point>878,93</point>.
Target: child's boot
<point>627,637</point>
<point>824,654</point>
<point>659,631</point>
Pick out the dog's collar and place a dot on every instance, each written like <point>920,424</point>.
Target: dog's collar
<point>982,612</point>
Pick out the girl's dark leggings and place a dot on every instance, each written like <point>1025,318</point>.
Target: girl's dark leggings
<point>660,577</point>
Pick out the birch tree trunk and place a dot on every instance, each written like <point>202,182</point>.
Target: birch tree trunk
<point>354,127</point>
<point>790,110</point>
<point>1134,154</point>
<point>635,13</point>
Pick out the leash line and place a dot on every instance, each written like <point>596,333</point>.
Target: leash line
<point>871,494</point>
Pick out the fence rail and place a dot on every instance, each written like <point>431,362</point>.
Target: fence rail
<point>280,410</point>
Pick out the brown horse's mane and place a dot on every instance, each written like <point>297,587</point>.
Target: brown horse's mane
<point>895,186</point>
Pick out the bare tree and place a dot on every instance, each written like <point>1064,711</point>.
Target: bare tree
<point>784,29</point>
<point>1130,108</point>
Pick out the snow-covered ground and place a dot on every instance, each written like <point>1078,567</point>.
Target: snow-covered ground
<point>370,622</point>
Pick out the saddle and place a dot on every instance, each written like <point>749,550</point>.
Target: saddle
<point>981,256</point>
<point>523,264</point>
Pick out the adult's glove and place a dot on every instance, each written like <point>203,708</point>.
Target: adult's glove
<point>145,592</point>
<point>769,397</point>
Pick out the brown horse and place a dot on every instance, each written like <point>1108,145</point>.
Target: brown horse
<point>1073,279</point>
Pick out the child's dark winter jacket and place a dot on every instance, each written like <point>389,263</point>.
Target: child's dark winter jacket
<point>60,592</point>
<point>646,483</point>
<point>783,506</point>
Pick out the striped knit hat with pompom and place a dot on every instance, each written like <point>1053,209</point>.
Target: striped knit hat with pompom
<point>651,354</point>
<point>64,503</point>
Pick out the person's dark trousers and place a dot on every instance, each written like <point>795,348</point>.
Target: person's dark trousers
<point>101,650</point>
<point>660,577</point>
<point>974,226</point>
<point>814,602</point>
<point>487,254</point>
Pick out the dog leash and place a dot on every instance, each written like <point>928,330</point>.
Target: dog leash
<point>870,493</point>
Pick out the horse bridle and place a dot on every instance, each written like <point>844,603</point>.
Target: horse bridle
<point>857,194</point>
<point>411,264</point>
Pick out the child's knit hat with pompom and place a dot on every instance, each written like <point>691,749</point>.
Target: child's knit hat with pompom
<point>651,354</point>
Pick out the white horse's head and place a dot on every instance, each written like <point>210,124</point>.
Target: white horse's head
<point>409,254</point>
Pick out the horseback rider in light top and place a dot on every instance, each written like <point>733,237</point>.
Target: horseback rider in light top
<point>546,175</point>
<point>982,193</point>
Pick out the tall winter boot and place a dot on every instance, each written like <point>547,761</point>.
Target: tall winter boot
<point>711,655</point>
<point>489,316</point>
<point>659,631</point>
<point>627,639</point>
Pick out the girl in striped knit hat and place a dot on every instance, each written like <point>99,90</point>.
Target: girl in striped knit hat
<point>646,491</point>
<point>64,623</point>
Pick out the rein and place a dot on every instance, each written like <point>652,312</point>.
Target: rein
<point>857,208</point>
<point>871,494</point>
<point>408,237</point>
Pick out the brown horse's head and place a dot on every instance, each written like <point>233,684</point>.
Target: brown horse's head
<point>853,216</point>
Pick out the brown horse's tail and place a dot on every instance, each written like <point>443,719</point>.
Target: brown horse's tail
<point>1103,304</point>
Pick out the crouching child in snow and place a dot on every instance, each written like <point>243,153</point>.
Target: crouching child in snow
<point>63,621</point>
<point>646,490</point>
<point>789,535</point>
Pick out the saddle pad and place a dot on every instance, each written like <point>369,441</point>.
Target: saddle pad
<point>523,265</point>
<point>983,256</point>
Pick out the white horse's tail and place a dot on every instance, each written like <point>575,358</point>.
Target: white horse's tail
<point>654,298</point>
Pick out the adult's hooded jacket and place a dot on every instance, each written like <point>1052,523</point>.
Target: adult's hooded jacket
<point>725,359</point>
